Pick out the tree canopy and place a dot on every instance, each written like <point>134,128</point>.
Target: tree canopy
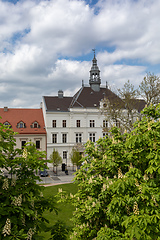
<point>76,157</point>
<point>21,200</point>
<point>132,100</point>
<point>119,187</point>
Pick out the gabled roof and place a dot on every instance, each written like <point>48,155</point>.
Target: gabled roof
<point>27,116</point>
<point>87,98</point>
<point>57,104</point>
<point>84,98</point>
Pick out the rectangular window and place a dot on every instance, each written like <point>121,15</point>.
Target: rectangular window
<point>92,123</point>
<point>78,123</point>
<point>64,138</point>
<point>78,137</point>
<point>92,137</point>
<point>23,144</point>
<point>54,123</point>
<point>37,144</point>
<point>64,123</point>
<point>64,154</point>
<point>117,123</point>
<point>54,138</point>
<point>105,134</point>
<point>105,123</point>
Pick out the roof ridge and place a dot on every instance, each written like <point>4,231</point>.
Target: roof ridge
<point>76,97</point>
<point>79,104</point>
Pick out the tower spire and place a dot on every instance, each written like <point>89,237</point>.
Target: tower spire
<point>94,50</point>
<point>95,80</point>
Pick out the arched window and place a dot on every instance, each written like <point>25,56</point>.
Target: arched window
<point>21,125</point>
<point>7,124</point>
<point>35,125</point>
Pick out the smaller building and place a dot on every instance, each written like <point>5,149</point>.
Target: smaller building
<point>28,123</point>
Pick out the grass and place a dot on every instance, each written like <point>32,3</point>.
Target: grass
<point>65,210</point>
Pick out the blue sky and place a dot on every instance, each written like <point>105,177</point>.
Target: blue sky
<point>46,45</point>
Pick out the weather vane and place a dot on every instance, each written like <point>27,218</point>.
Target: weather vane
<point>94,50</point>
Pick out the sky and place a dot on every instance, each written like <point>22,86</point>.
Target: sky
<point>46,46</point>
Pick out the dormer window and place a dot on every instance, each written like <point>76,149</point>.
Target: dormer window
<point>7,124</point>
<point>21,125</point>
<point>35,125</point>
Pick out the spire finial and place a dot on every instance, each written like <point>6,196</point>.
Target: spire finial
<point>94,50</point>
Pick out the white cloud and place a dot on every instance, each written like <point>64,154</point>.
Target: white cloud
<point>39,40</point>
<point>117,75</point>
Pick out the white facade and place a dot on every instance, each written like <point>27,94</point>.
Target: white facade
<point>81,125</point>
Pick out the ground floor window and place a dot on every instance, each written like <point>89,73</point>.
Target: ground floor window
<point>38,144</point>
<point>64,154</point>
<point>23,144</point>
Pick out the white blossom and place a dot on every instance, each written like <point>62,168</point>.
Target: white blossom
<point>120,175</point>
<point>7,228</point>
<point>5,185</point>
<point>24,153</point>
<point>30,234</point>
<point>135,208</point>
<point>17,200</point>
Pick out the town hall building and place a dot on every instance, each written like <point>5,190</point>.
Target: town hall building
<point>72,121</point>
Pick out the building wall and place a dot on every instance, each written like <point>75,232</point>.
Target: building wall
<point>71,129</point>
<point>33,138</point>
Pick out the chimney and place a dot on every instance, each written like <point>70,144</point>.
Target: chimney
<point>5,109</point>
<point>40,105</point>
<point>60,94</point>
<point>106,84</point>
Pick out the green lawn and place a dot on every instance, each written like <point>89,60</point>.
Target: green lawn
<point>64,210</point>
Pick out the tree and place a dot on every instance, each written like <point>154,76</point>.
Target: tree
<point>55,158</point>
<point>119,187</point>
<point>21,201</point>
<point>150,89</point>
<point>59,231</point>
<point>76,157</point>
<point>125,109</point>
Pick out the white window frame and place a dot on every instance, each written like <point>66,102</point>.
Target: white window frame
<point>92,123</point>
<point>92,137</point>
<point>78,137</point>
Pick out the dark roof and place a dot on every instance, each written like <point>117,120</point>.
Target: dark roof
<point>88,98</point>
<point>28,116</point>
<point>138,104</point>
<point>57,104</point>
<point>84,98</point>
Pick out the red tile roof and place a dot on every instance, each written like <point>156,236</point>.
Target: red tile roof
<point>28,116</point>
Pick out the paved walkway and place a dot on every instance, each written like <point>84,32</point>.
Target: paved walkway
<point>56,179</point>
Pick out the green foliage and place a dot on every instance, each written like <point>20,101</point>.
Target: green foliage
<point>59,231</point>
<point>21,201</point>
<point>119,187</point>
<point>76,157</point>
<point>55,158</point>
